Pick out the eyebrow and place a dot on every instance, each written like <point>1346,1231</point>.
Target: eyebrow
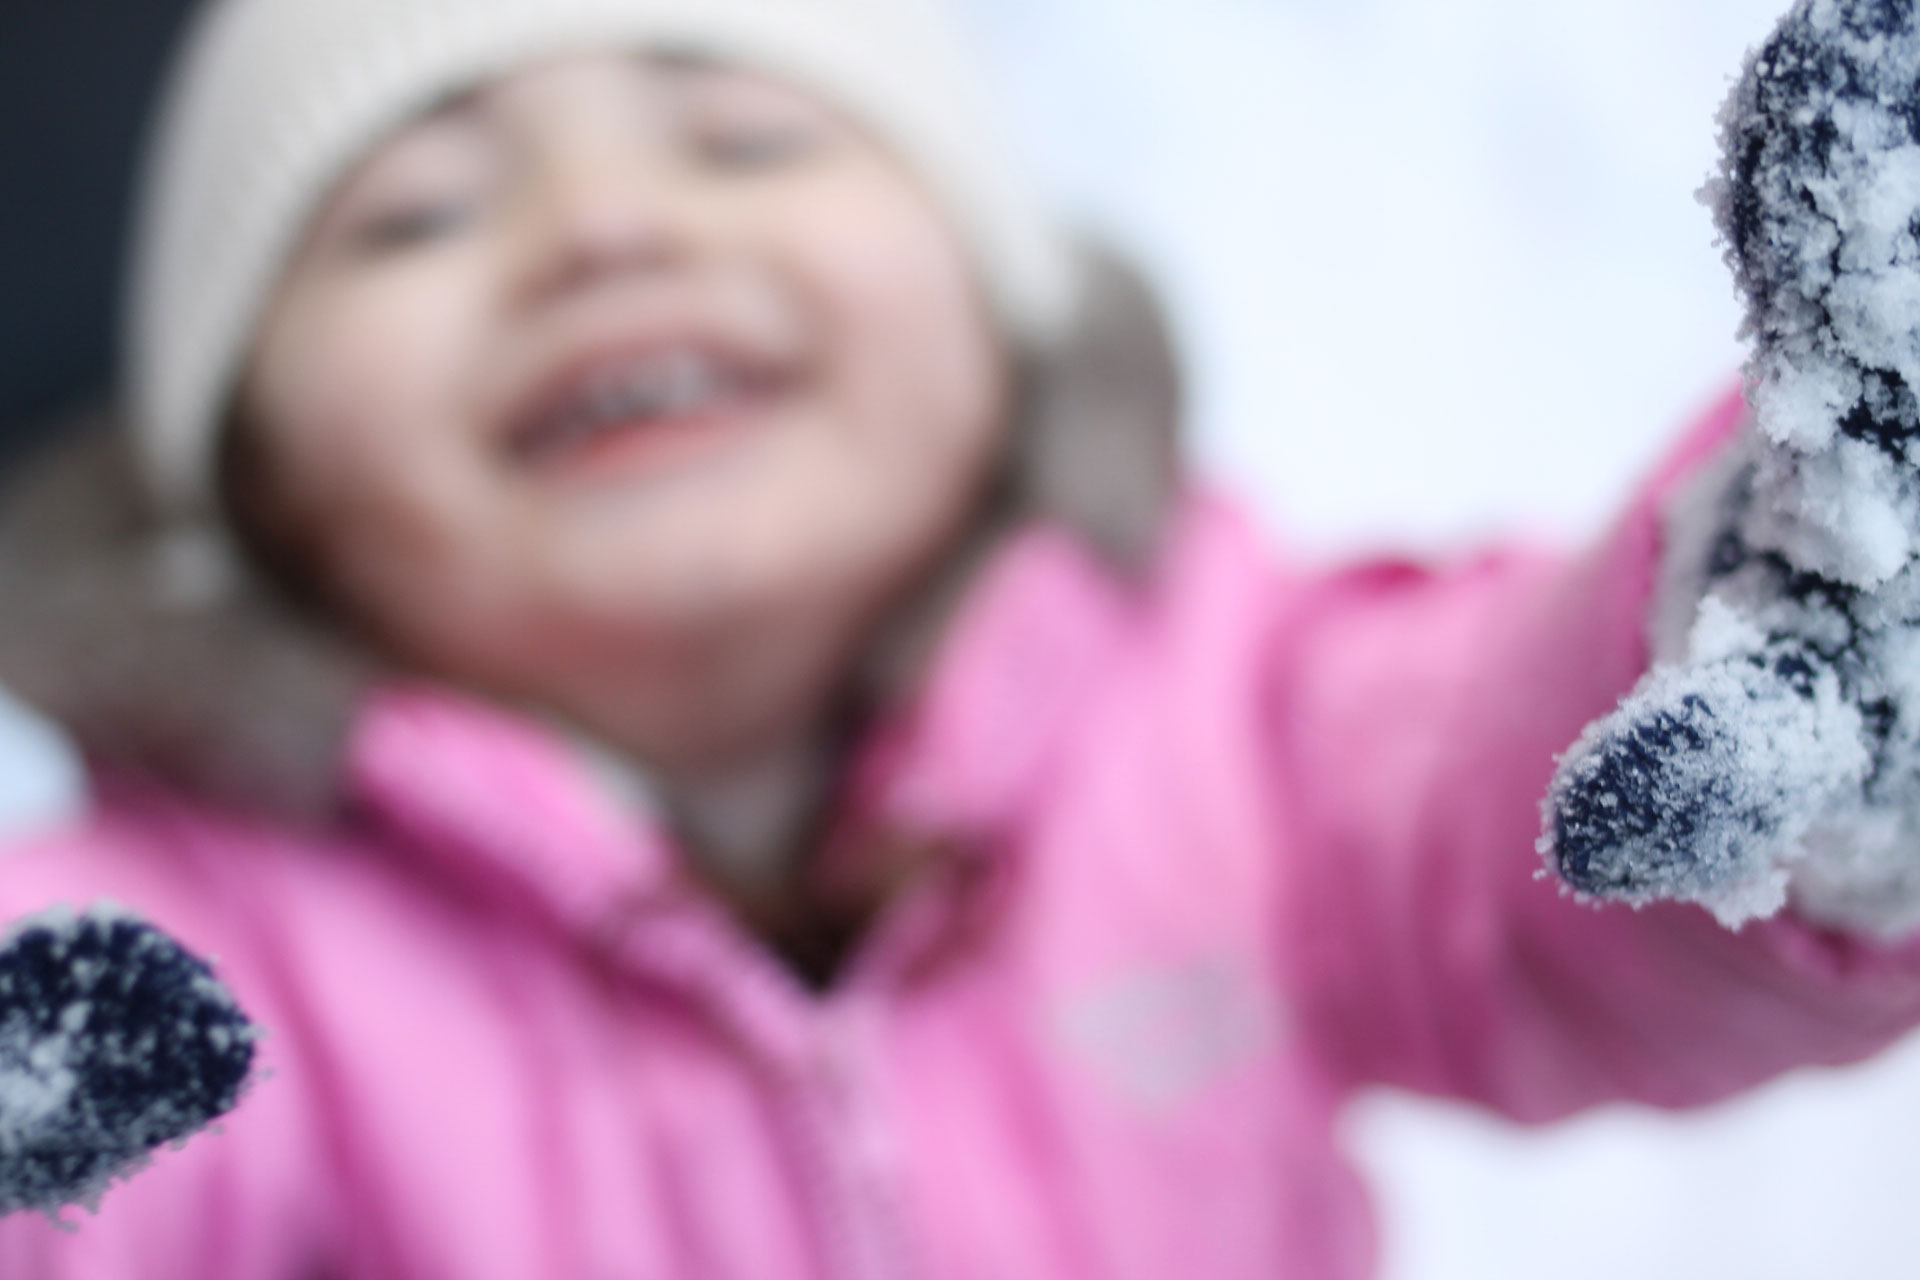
<point>681,57</point>
<point>452,106</point>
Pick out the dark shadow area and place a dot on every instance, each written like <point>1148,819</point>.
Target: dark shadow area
<point>76,80</point>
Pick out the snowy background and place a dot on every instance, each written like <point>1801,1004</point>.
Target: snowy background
<point>1439,272</point>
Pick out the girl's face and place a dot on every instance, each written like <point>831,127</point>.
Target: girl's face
<point>631,387</point>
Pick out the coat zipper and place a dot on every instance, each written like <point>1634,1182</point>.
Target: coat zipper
<point>863,1222</point>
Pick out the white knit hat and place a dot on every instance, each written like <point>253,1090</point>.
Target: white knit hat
<point>271,100</point>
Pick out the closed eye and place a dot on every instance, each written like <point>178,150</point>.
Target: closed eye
<point>413,225</point>
<point>747,148</point>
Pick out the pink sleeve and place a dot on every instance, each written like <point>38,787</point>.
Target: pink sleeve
<point>1418,715</point>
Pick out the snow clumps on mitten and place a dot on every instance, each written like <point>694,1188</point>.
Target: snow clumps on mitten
<point>113,1040</point>
<point>1777,754</point>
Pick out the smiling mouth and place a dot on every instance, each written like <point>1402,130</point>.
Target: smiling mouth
<point>660,402</point>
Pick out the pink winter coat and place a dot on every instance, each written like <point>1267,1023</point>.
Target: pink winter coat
<point>1237,845</point>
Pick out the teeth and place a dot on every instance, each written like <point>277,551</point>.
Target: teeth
<point>606,398</point>
<point>675,383</point>
<point>686,381</point>
<point>671,383</point>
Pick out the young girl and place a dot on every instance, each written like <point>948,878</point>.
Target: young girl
<point>812,797</point>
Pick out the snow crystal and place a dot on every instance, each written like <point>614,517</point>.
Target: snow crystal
<point>1816,204</point>
<point>1709,777</point>
<point>1775,752</point>
<point>113,1040</point>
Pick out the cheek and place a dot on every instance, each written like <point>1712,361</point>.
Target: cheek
<point>361,355</point>
<point>361,390</point>
<point>912,365</point>
<point>896,299</point>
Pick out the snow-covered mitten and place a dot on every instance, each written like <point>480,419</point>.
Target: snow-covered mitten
<point>113,1040</point>
<point>1774,752</point>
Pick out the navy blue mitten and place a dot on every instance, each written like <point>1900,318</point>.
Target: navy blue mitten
<point>113,1040</point>
<point>1774,752</point>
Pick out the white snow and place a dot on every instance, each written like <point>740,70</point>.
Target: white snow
<point>36,1079</point>
<point>40,780</point>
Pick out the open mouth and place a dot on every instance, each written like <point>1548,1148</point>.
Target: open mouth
<point>655,402</point>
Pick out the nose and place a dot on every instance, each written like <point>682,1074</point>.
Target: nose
<point>595,208</point>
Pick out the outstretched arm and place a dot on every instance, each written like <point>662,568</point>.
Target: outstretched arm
<point>1416,715</point>
<point>1772,762</point>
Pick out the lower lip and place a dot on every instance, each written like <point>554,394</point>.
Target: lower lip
<point>651,446</point>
